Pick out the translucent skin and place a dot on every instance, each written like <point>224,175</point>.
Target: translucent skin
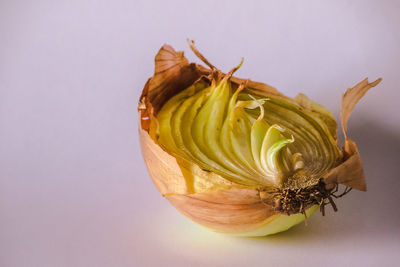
<point>279,223</point>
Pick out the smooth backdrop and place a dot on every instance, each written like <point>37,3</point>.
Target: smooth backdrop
<point>74,190</point>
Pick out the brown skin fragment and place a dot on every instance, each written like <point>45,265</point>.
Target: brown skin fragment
<point>350,172</point>
<point>351,98</point>
<point>172,74</point>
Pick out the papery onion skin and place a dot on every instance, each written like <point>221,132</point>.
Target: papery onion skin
<point>208,198</point>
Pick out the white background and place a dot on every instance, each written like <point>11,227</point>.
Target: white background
<point>74,190</point>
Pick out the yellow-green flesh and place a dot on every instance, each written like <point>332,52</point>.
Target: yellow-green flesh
<point>244,138</point>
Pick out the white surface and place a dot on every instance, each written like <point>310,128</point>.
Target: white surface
<point>74,190</point>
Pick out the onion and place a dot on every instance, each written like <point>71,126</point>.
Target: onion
<point>237,156</point>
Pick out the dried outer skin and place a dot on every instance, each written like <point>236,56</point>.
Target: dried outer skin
<point>350,172</point>
<point>218,203</point>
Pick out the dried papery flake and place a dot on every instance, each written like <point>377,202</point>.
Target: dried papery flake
<point>350,172</point>
<point>216,202</point>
